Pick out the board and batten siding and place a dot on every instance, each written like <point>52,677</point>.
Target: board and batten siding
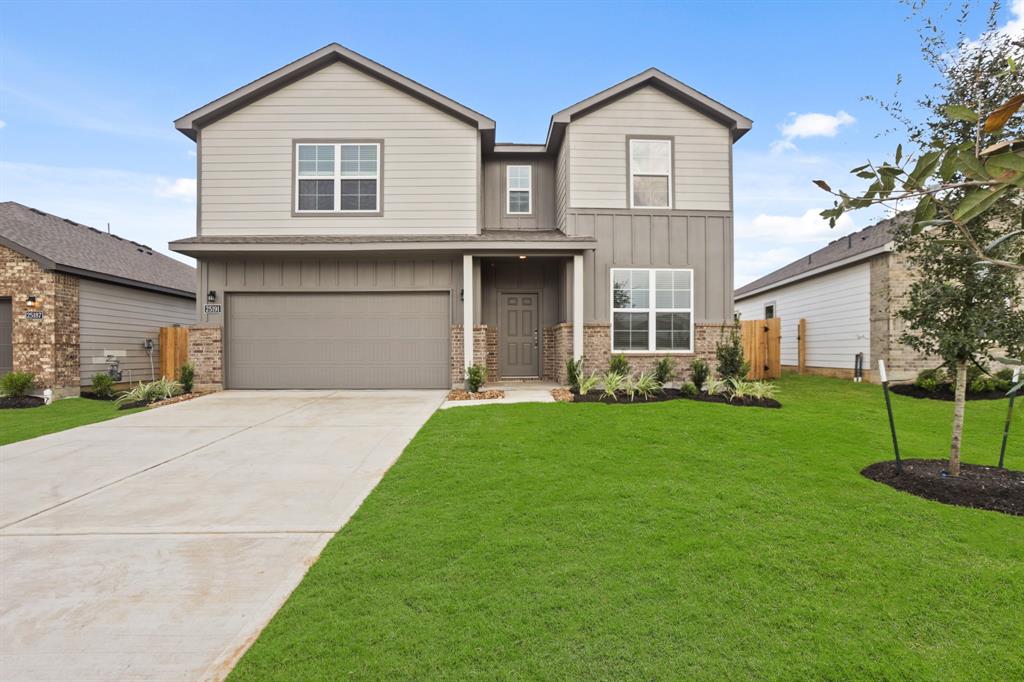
<point>625,239</point>
<point>119,319</point>
<point>430,160</point>
<point>542,209</point>
<point>562,183</point>
<point>837,307</point>
<point>598,152</point>
<point>259,274</point>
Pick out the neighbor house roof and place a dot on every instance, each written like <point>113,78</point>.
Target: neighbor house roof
<point>847,250</point>
<point>190,123</point>
<point>66,246</point>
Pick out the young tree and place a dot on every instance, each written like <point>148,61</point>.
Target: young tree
<point>963,230</point>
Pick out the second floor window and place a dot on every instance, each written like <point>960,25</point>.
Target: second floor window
<point>519,181</point>
<point>650,173</point>
<point>337,177</point>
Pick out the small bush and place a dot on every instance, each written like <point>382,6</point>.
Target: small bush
<point>188,375</point>
<point>574,372</point>
<point>699,372</point>
<point>17,384</point>
<point>716,386</point>
<point>689,389</point>
<point>618,365</point>
<point>729,354</point>
<point>629,386</point>
<point>982,384</point>
<point>103,386</point>
<point>665,370</point>
<point>611,383</point>
<point>930,379</point>
<point>161,389</point>
<point>1005,374</point>
<point>475,378</point>
<point>587,384</point>
<point>647,384</point>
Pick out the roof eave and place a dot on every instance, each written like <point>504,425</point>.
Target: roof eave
<point>827,267</point>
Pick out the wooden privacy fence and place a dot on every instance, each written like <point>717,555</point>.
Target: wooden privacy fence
<point>173,351</point>
<point>761,347</point>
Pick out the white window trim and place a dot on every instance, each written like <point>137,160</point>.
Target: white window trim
<point>509,189</point>
<point>671,151</point>
<point>651,311</point>
<point>336,178</point>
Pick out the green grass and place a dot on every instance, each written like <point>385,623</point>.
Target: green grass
<point>668,541</point>
<point>23,424</point>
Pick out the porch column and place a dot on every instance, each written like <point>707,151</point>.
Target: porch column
<point>577,307</point>
<point>467,310</point>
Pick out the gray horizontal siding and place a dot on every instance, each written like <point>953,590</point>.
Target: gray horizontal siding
<point>494,188</point>
<point>117,318</point>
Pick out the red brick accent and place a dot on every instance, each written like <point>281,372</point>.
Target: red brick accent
<point>485,352</point>
<point>597,350</point>
<point>557,351</point>
<point>206,353</point>
<point>48,347</point>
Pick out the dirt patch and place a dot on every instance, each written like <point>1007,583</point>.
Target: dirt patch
<point>20,402</point>
<point>943,392</point>
<point>980,487</point>
<point>667,394</point>
<point>562,395</point>
<point>462,394</point>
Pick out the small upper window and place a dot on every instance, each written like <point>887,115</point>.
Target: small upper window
<point>519,188</point>
<point>337,178</point>
<point>650,173</point>
<point>769,311</point>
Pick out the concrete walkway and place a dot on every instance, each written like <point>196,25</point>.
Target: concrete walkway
<point>156,546</point>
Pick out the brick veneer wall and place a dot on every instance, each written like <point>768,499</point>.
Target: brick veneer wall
<point>891,278</point>
<point>48,347</point>
<point>206,353</point>
<point>485,352</point>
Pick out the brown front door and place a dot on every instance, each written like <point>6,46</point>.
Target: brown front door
<point>519,336</point>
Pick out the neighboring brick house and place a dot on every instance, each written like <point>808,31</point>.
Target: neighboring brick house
<point>71,295</point>
<point>352,224</point>
<point>850,293</point>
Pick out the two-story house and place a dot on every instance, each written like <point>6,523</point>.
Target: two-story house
<point>356,229</point>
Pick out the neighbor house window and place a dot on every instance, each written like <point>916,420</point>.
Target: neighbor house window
<point>650,173</point>
<point>769,311</point>
<point>652,310</point>
<point>337,177</point>
<point>519,189</point>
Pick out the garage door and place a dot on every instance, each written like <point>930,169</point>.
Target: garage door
<point>349,340</point>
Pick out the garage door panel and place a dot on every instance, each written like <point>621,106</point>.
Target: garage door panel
<point>338,340</point>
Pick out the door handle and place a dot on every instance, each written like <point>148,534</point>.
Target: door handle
<point>536,335</point>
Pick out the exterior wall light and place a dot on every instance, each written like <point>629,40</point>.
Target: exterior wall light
<point>211,296</point>
<point>30,301</point>
<point>522,258</point>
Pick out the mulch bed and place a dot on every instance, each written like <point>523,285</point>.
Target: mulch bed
<point>20,402</point>
<point>667,394</point>
<point>980,487</point>
<point>462,394</point>
<point>89,395</point>
<point>943,392</point>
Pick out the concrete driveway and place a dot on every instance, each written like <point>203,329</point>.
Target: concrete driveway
<point>156,546</point>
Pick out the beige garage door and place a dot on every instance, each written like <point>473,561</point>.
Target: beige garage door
<point>349,340</point>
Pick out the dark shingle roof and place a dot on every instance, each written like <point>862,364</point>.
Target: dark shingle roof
<point>62,244</point>
<point>850,246</point>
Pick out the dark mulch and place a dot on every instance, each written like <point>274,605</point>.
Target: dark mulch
<point>20,402</point>
<point>92,396</point>
<point>943,392</point>
<point>980,487</point>
<point>667,394</point>
<point>132,406</point>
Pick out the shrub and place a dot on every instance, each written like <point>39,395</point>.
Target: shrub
<point>982,384</point>
<point>762,390</point>
<point>475,378</point>
<point>930,379</point>
<point>618,365</point>
<point>16,384</point>
<point>588,383</point>
<point>103,386</point>
<point>574,372</point>
<point>647,384</point>
<point>688,389</point>
<point>729,354</point>
<point>716,386</point>
<point>699,372</point>
<point>161,389</point>
<point>611,383</point>
<point>629,387</point>
<point>188,375</point>
<point>1004,379</point>
<point>665,370</point>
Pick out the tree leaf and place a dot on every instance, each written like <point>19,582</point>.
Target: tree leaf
<point>995,243</point>
<point>948,168</point>
<point>899,153</point>
<point>961,113</point>
<point>976,203</point>
<point>858,169</point>
<point>998,118</point>
<point>822,184</point>
<point>971,166</point>
<point>925,211</point>
<point>924,168</point>
<point>1009,161</point>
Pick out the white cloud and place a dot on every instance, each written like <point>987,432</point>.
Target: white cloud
<point>806,228</point>
<point>182,188</point>
<point>815,125</point>
<point>3,124</point>
<point>192,153</point>
<point>97,196</point>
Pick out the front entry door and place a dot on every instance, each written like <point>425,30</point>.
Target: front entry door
<point>519,336</point>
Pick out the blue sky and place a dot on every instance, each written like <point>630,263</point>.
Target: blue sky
<point>88,91</point>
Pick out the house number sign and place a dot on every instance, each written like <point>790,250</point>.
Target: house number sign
<point>34,315</point>
<point>212,308</point>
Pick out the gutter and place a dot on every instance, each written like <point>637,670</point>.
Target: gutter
<point>852,260</point>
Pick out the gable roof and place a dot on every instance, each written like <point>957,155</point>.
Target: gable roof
<point>736,122</point>
<point>847,250</point>
<point>190,123</point>
<point>66,246</point>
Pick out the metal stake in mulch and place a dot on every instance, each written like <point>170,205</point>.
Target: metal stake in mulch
<point>888,408</point>
<point>1009,418</point>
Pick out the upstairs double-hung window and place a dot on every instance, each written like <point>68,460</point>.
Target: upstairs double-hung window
<point>519,189</point>
<point>337,177</point>
<point>650,173</point>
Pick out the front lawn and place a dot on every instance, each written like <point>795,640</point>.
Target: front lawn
<point>666,541</point>
<point>30,422</point>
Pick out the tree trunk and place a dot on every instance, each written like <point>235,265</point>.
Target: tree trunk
<point>958,417</point>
